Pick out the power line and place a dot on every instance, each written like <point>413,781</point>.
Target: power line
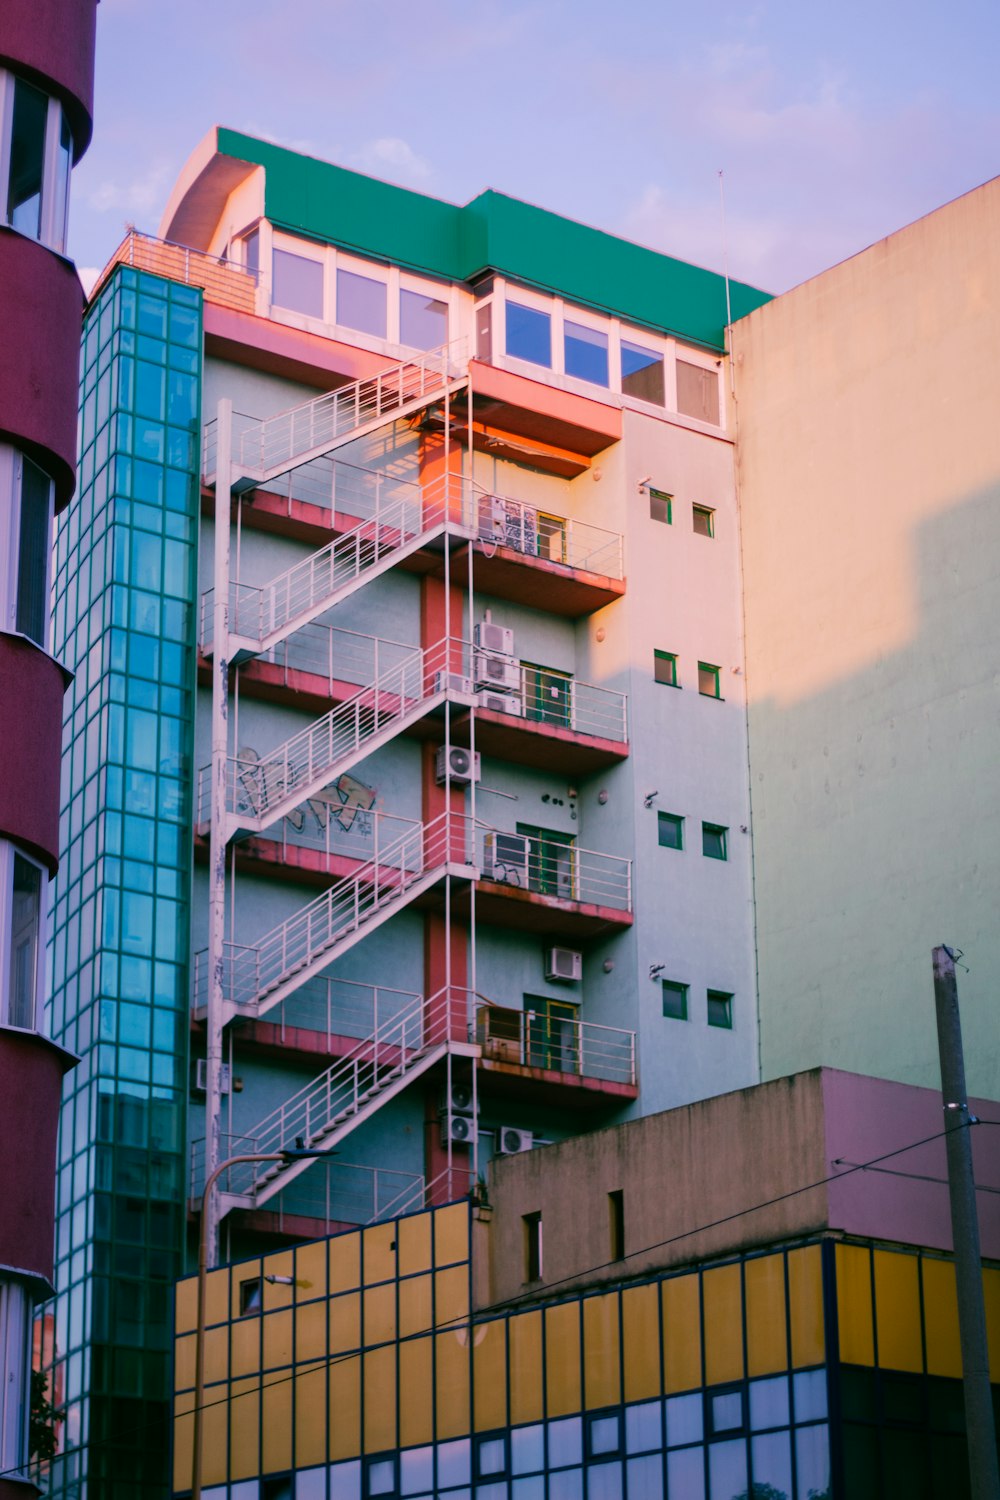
<point>468,1320</point>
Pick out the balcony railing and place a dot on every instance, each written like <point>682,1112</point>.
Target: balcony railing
<point>550,867</point>
<point>557,1043</point>
<point>223,281</point>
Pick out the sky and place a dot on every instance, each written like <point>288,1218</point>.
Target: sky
<point>832,124</point>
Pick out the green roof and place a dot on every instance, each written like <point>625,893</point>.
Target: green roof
<point>493,232</point>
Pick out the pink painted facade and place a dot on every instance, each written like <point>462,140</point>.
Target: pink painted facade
<point>30,738</point>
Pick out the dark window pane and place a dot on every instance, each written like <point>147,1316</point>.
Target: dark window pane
<point>642,373</point>
<point>529,334</point>
<point>661,506</point>
<point>675,1000</point>
<point>708,680</point>
<point>665,668</point>
<point>604,1435</point>
<point>703,520</point>
<point>720,1009</point>
<point>298,283</point>
<point>27,158</point>
<point>31,617</point>
<point>361,303</point>
<point>423,321</point>
<point>861,1464</point>
<point>697,392</point>
<point>492,1456</point>
<point>24,938</point>
<point>726,1409</point>
<point>251,251</point>
<point>670,830</point>
<point>586,353</point>
<point>64,161</point>
<point>713,841</point>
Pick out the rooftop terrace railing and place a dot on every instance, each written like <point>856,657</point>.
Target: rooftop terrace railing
<point>223,281</point>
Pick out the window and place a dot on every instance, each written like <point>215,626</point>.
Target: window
<point>551,537</point>
<point>708,680</point>
<point>713,841</point>
<point>25,546</point>
<point>616,1226</point>
<point>36,154</point>
<point>361,303</point>
<point>586,353</point>
<point>491,1456</point>
<point>298,283</point>
<point>529,334</point>
<point>423,320</point>
<point>532,1231</point>
<point>15,1366</point>
<point>251,251</point>
<point>725,1410</point>
<point>548,695</point>
<point>670,830</point>
<point>551,861</point>
<point>250,1295</point>
<point>703,520</point>
<point>720,1009</point>
<point>675,1000</point>
<point>380,1476</point>
<point>603,1433</point>
<point>665,668</point>
<point>25,946</point>
<point>642,373</point>
<point>661,506</point>
<point>697,392</point>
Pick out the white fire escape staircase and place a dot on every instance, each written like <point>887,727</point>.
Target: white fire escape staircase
<point>347,1094</point>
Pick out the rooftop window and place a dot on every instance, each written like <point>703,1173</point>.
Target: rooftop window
<point>642,373</point>
<point>586,351</point>
<point>423,320</point>
<point>529,334</point>
<point>298,283</point>
<point>361,303</point>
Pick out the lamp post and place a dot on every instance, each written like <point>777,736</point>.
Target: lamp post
<point>199,1346</point>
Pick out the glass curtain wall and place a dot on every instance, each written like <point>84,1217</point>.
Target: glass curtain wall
<point>124,624</point>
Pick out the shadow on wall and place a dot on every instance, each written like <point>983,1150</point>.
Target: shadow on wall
<point>876,807</point>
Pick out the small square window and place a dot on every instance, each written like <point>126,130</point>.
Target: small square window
<point>713,841</point>
<point>720,1009</point>
<point>603,1435</point>
<point>725,1410</point>
<point>250,1295</point>
<point>665,668</point>
<point>675,1000</point>
<point>380,1477</point>
<point>708,680</point>
<point>670,831</point>
<point>661,506</point>
<point>703,520</point>
<point>491,1457</point>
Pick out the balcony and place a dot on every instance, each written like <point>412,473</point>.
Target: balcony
<point>556,1060</point>
<point>223,281</point>
<point>517,549</point>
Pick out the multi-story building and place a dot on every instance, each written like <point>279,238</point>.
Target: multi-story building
<point>779,1322</point>
<point>449,710</point>
<point>870,503</point>
<point>46,98</point>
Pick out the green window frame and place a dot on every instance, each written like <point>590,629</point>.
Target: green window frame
<point>703,520</point>
<point>665,668</point>
<point>670,830</point>
<point>675,999</point>
<point>714,841</point>
<point>709,684</point>
<point>661,506</point>
<point>720,1009</point>
<point>548,694</point>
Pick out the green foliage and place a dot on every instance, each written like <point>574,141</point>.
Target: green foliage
<point>41,1420</point>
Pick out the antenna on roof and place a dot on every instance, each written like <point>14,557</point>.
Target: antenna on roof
<point>725,270</point>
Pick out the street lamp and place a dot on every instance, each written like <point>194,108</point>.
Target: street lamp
<point>199,1346</point>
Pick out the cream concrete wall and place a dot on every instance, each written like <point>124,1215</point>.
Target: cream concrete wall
<point>868,404</point>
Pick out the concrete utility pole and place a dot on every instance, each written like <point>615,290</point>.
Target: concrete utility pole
<point>980,1437</point>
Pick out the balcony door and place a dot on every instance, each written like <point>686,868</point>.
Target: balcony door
<point>553,1034</point>
<point>551,862</point>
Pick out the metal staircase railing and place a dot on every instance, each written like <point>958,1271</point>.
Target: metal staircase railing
<point>266,449</point>
<point>327,1108</point>
<point>260,790</point>
<point>255,979</point>
<point>262,616</point>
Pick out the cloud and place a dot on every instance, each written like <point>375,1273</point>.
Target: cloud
<point>391,154</point>
<point>142,195</point>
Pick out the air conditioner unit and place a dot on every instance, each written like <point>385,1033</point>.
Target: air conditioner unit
<point>491,637</point>
<point>505,858</point>
<point>492,519</point>
<point>497,672</point>
<point>455,684</point>
<point>201,1076</point>
<point>459,1101</point>
<point>458,1128</point>
<point>457,764</point>
<point>510,1141</point>
<point>563,963</point>
<point>503,703</point>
